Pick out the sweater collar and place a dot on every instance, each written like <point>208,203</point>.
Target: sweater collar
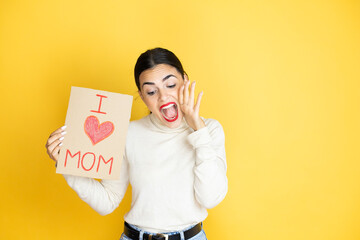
<point>160,127</point>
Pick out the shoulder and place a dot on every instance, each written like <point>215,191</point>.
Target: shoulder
<point>140,123</point>
<point>213,125</point>
<point>211,122</point>
<point>212,133</point>
<point>215,129</point>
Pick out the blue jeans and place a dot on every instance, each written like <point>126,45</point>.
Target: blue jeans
<point>200,236</point>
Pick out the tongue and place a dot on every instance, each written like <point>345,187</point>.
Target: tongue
<point>170,112</point>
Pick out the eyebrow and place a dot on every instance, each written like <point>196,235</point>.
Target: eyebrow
<point>164,79</point>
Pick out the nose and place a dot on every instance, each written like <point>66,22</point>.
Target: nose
<point>162,95</point>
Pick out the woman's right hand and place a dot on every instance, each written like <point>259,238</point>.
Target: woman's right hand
<point>54,143</point>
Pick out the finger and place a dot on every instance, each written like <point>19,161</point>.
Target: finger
<point>186,92</point>
<point>192,93</point>
<point>56,152</point>
<point>53,145</point>
<point>56,132</point>
<point>198,101</point>
<point>60,129</point>
<point>54,138</point>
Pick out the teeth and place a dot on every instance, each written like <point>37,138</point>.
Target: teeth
<point>170,118</point>
<point>168,106</point>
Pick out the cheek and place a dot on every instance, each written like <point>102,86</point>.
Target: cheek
<point>150,103</point>
<point>175,92</point>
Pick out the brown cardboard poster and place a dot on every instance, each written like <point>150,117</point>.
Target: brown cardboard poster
<point>97,123</point>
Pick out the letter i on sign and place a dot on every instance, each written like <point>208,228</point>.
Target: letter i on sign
<point>98,111</point>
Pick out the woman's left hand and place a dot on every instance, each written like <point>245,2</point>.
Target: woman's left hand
<point>190,111</point>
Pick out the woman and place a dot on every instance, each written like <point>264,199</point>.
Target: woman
<point>174,159</point>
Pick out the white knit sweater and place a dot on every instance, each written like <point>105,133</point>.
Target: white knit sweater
<point>175,174</point>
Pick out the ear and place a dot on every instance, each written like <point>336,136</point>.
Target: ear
<point>186,77</point>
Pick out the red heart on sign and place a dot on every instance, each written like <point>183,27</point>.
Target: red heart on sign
<point>96,131</point>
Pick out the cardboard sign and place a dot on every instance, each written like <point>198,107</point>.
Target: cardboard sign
<point>94,144</point>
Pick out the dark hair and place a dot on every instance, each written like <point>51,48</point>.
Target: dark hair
<point>153,57</point>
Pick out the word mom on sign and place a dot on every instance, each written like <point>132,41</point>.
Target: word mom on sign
<point>97,123</point>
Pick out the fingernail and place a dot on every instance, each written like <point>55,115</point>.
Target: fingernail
<point>62,138</point>
<point>60,144</point>
<point>63,133</point>
<point>63,127</point>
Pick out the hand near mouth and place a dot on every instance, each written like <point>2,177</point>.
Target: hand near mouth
<point>191,111</point>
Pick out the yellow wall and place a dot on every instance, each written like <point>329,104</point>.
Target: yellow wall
<point>282,77</point>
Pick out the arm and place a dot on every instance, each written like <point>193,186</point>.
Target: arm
<point>208,140</point>
<point>105,196</point>
<point>210,183</point>
<point>102,196</point>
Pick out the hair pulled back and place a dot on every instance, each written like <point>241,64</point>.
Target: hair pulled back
<point>153,57</point>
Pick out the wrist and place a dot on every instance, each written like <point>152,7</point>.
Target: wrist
<point>199,124</point>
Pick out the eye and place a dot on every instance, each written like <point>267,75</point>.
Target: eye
<point>172,86</point>
<point>151,93</point>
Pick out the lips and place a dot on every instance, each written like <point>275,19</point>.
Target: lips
<point>169,111</point>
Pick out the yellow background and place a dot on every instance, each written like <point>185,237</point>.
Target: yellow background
<point>282,77</point>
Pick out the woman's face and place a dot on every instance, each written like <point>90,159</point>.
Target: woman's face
<point>159,89</point>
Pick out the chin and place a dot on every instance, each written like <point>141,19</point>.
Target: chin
<point>173,124</point>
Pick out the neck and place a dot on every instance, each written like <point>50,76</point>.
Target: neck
<point>161,127</point>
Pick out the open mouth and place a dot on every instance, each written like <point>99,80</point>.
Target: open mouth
<point>169,111</point>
